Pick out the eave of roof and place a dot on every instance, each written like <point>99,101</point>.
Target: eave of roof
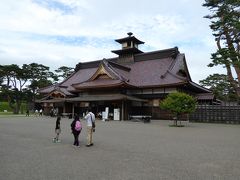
<point>127,51</point>
<point>130,38</point>
<point>164,85</point>
<point>56,100</point>
<point>193,84</point>
<point>92,85</point>
<point>107,97</point>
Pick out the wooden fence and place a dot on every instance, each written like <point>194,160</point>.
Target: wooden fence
<point>216,114</point>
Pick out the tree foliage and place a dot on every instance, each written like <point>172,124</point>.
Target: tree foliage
<point>40,76</point>
<point>225,24</point>
<point>21,83</point>
<point>179,103</point>
<point>15,78</point>
<point>220,86</point>
<point>64,71</point>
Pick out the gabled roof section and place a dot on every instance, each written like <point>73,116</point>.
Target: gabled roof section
<point>106,68</point>
<point>108,74</point>
<point>56,92</point>
<point>55,88</point>
<point>63,90</point>
<point>46,90</point>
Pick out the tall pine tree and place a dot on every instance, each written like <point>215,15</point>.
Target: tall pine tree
<point>225,24</point>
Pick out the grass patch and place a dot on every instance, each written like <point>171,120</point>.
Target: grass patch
<point>4,106</point>
<point>6,113</point>
<point>10,114</point>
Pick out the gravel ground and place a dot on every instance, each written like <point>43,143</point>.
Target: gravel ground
<point>122,151</point>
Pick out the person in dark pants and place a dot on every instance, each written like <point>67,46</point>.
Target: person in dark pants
<point>76,129</point>
<point>57,129</point>
<point>27,112</point>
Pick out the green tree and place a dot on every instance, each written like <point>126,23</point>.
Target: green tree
<point>22,83</point>
<point>178,103</point>
<point>40,76</point>
<point>220,86</point>
<point>64,71</point>
<point>15,78</point>
<point>225,24</point>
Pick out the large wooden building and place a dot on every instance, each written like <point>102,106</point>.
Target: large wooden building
<point>133,83</point>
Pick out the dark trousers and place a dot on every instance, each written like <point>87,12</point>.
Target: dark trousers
<point>76,141</point>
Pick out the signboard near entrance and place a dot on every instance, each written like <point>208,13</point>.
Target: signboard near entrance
<point>105,114</point>
<point>116,114</point>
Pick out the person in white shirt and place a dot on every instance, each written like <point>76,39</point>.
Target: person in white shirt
<point>40,112</point>
<point>36,112</point>
<point>90,118</point>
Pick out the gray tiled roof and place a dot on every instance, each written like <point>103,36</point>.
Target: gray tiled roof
<point>159,68</point>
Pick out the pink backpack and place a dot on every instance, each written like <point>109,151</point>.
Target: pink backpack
<point>78,126</point>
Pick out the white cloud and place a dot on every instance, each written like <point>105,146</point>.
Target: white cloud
<point>160,24</point>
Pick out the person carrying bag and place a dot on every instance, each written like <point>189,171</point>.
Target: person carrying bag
<point>90,118</point>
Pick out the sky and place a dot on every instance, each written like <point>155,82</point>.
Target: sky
<point>65,32</point>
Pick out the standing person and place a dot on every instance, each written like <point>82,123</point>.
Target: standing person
<point>76,127</point>
<point>36,112</point>
<point>51,112</point>
<point>27,112</point>
<point>40,112</point>
<point>57,130</point>
<point>90,118</point>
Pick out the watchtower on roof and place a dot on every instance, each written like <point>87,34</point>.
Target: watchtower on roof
<point>129,48</point>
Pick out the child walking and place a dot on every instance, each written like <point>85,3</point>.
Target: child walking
<point>57,130</point>
<point>76,127</point>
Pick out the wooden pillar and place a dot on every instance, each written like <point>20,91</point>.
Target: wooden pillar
<point>122,111</point>
<point>72,109</point>
<point>64,107</point>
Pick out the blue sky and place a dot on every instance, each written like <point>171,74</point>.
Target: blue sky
<point>65,32</point>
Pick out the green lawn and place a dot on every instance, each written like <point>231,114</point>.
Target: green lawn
<point>5,107</point>
<point>10,114</point>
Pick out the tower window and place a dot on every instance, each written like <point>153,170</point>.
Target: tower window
<point>124,45</point>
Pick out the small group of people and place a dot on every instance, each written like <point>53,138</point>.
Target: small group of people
<point>54,112</point>
<point>76,127</point>
<point>38,113</point>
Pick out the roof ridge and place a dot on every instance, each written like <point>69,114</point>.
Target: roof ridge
<point>168,69</point>
<point>171,66</point>
<point>117,65</point>
<point>158,51</point>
